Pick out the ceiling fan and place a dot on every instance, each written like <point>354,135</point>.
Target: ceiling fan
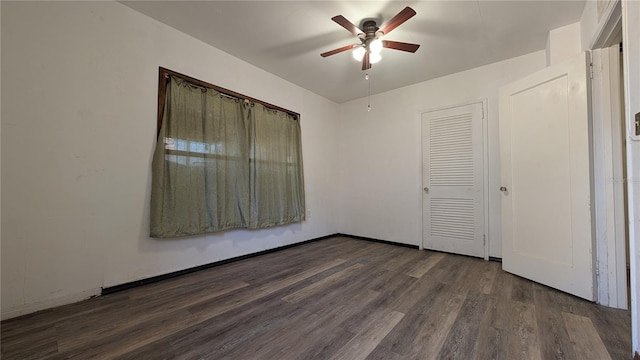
<point>368,51</point>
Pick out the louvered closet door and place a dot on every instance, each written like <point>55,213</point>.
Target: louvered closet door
<point>452,176</point>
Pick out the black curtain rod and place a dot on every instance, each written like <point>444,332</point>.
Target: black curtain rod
<point>165,73</point>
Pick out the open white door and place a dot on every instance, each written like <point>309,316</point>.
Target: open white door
<point>544,141</point>
<point>453,180</point>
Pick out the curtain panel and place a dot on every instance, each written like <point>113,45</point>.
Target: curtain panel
<point>221,163</point>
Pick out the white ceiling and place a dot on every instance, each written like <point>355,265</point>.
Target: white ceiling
<point>286,37</point>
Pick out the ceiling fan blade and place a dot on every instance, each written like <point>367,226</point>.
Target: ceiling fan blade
<point>396,45</point>
<point>366,65</point>
<point>338,50</point>
<point>404,15</point>
<point>342,21</point>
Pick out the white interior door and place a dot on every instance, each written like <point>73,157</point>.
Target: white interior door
<point>544,141</point>
<point>453,180</point>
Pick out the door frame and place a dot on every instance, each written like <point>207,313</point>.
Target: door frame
<point>631,64</point>
<point>485,170</point>
<point>608,191</point>
<point>629,17</point>
<point>611,236</point>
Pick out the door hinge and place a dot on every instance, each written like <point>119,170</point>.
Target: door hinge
<point>590,70</point>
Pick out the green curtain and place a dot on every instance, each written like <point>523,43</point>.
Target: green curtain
<point>277,185</point>
<point>221,163</point>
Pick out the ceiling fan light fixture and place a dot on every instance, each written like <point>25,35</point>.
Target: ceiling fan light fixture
<point>358,53</point>
<point>371,44</point>
<point>374,58</point>
<point>375,46</point>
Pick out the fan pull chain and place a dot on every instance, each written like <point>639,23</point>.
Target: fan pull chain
<point>366,77</point>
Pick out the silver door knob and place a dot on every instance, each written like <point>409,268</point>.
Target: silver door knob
<point>426,190</point>
<point>503,188</point>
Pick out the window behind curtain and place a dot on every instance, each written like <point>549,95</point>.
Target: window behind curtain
<point>222,163</point>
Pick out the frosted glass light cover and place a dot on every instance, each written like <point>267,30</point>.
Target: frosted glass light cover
<point>375,46</point>
<point>358,53</point>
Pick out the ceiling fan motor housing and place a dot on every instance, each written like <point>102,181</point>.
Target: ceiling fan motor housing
<point>370,28</point>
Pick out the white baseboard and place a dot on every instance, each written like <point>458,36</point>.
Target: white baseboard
<point>48,303</point>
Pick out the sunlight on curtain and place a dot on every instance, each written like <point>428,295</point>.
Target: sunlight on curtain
<point>277,191</point>
<point>221,163</point>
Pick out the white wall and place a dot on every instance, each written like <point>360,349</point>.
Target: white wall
<point>80,93</point>
<point>563,44</point>
<point>380,151</point>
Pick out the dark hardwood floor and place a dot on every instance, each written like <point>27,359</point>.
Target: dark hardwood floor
<point>338,298</point>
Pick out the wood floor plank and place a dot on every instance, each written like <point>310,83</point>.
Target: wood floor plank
<point>40,341</point>
<point>380,254</point>
<point>326,343</point>
<point>611,325</point>
<point>430,337</point>
<point>554,339</point>
<point>285,265</point>
<point>286,282</point>
<point>470,276</point>
<point>72,335</point>
<point>208,309</point>
<point>349,298</point>
<point>488,277</point>
<point>321,285</point>
<point>463,334</point>
<point>220,334</point>
<point>27,324</point>
<point>341,302</point>
<point>568,303</point>
<point>453,272</point>
<point>587,344</point>
<point>266,330</point>
<point>419,293</point>
<point>502,285</point>
<point>320,334</point>
<point>364,342</point>
<point>382,353</point>
<point>423,266</point>
<point>394,284</point>
<point>400,263</point>
<point>522,290</point>
<point>390,289</point>
<point>522,338</point>
<point>492,339</point>
<point>417,317</point>
<point>132,338</point>
<point>269,345</point>
<point>364,251</point>
<point>491,344</point>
